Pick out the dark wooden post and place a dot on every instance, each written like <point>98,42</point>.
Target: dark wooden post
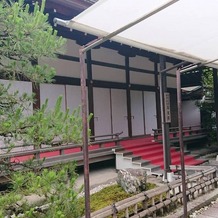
<point>90,90</point>
<point>165,125</point>
<point>157,95</point>
<point>128,97</point>
<point>36,92</point>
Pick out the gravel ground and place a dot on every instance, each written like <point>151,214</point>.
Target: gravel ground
<point>203,209</point>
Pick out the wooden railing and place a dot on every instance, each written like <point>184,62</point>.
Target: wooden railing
<point>174,132</point>
<point>161,198</point>
<point>98,154</point>
<point>100,139</point>
<point>61,148</point>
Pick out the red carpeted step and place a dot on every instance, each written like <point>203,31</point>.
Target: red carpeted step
<point>140,145</point>
<point>155,160</point>
<point>146,149</point>
<point>172,149</point>
<point>138,141</point>
<point>153,152</point>
<point>175,155</point>
<point>186,158</point>
<point>150,153</point>
<point>159,162</point>
<point>190,161</point>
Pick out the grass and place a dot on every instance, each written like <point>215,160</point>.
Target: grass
<point>107,196</point>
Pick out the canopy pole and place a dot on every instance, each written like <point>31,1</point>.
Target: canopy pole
<point>82,51</point>
<point>85,134</point>
<point>196,65</point>
<point>165,126</point>
<point>179,103</point>
<point>215,90</point>
<point>133,23</point>
<point>174,66</point>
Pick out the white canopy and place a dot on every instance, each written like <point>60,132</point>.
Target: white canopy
<point>186,30</point>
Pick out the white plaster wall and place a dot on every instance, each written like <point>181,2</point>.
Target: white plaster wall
<point>52,92</point>
<point>150,112</point>
<point>22,87</point>
<point>141,63</point>
<point>137,112</point>
<point>119,111</point>
<point>173,71</point>
<point>108,74</point>
<point>108,56</point>
<point>71,48</point>
<point>142,78</point>
<point>63,67</point>
<point>191,114</point>
<point>102,111</point>
<point>73,97</point>
<point>168,65</point>
<point>171,82</point>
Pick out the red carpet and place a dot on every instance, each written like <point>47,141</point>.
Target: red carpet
<point>153,152</point>
<point>143,147</point>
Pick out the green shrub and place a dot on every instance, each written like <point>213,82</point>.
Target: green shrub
<point>57,185</point>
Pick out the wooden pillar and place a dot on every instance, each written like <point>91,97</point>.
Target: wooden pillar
<point>165,125</point>
<point>90,90</point>
<point>128,97</point>
<point>36,92</point>
<point>157,95</point>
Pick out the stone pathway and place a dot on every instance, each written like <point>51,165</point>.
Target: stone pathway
<point>99,176</point>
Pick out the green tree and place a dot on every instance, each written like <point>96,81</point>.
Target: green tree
<point>207,105</point>
<point>24,39</point>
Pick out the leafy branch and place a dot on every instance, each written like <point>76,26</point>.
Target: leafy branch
<point>26,37</point>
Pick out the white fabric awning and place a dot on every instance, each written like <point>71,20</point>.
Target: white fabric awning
<point>186,30</point>
<point>191,88</point>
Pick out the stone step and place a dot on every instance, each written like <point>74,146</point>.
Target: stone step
<point>146,164</point>
<point>132,157</point>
